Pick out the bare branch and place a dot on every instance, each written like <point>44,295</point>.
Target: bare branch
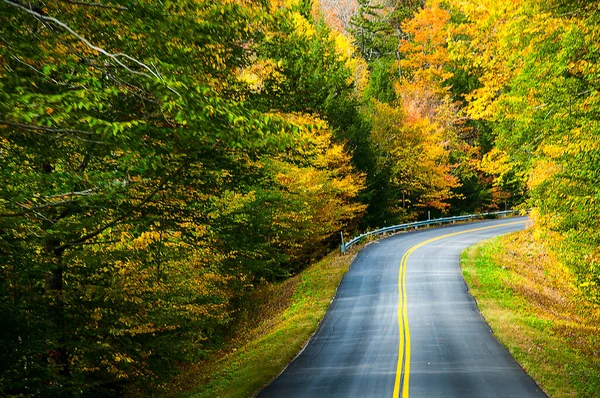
<point>83,3</point>
<point>87,192</point>
<point>584,93</point>
<point>54,204</point>
<point>34,69</point>
<point>33,209</point>
<point>462,119</point>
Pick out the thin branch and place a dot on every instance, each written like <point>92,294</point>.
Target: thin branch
<point>36,70</point>
<point>40,207</point>
<point>117,220</point>
<point>114,57</point>
<point>103,242</point>
<point>33,209</point>
<point>60,203</point>
<point>584,92</point>
<point>462,119</point>
<point>568,14</point>
<point>87,192</point>
<point>62,132</point>
<point>133,89</point>
<point>83,139</point>
<point>29,210</point>
<point>42,128</point>
<point>83,3</point>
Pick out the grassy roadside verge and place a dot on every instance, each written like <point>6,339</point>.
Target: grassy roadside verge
<point>288,315</point>
<point>536,310</point>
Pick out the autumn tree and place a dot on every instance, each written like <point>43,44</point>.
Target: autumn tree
<point>536,64</point>
<point>338,13</point>
<point>146,187</point>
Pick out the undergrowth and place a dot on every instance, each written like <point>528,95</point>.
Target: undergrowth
<point>274,330</point>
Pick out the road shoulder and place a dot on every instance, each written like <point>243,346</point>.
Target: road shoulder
<point>535,310</point>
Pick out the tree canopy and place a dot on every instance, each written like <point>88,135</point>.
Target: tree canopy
<point>161,159</point>
<point>153,171</point>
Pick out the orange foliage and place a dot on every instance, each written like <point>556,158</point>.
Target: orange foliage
<point>426,54</point>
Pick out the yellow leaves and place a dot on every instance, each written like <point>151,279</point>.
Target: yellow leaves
<point>490,51</point>
<point>496,162</point>
<point>318,186</point>
<point>146,239</point>
<point>230,202</point>
<point>275,4</point>
<point>553,151</point>
<point>96,314</point>
<point>126,236</point>
<point>543,171</point>
<point>218,55</point>
<point>302,26</point>
<point>360,71</point>
<point>413,147</point>
<point>256,74</point>
<point>122,358</point>
<point>145,328</point>
<point>482,102</point>
<point>581,140</point>
<point>334,158</point>
<point>343,46</point>
<point>508,174</point>
<point>346,53</point>
<point>300,180</point>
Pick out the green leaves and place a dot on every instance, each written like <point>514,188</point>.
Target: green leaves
<point>538,68</point>
<point>146,186</point>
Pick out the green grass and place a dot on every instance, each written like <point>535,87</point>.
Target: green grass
<point>289,314</point>
<point>556,345</point>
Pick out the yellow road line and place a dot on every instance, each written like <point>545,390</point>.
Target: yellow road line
<point>403,367</point>
<point>407,333</point>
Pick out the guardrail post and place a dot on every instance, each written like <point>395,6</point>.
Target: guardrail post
<point>343,246</point>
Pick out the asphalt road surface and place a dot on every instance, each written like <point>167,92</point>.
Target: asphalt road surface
<point>403,324</point>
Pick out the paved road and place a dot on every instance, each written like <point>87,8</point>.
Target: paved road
<point>397,314</point>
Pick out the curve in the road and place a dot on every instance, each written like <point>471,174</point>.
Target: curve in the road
<point>381,310</point>
<point>403,367</point>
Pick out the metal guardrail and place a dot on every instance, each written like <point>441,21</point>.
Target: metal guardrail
<point>416,224</point>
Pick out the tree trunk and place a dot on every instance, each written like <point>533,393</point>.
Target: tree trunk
<point>53,287</point>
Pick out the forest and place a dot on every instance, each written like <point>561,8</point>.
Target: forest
<point>159,160</point>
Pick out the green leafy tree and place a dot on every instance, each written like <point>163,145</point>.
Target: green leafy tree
<point>536,65</point>
<point>130,152</point>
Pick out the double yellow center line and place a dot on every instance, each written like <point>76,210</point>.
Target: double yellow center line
<point>403,367</point>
